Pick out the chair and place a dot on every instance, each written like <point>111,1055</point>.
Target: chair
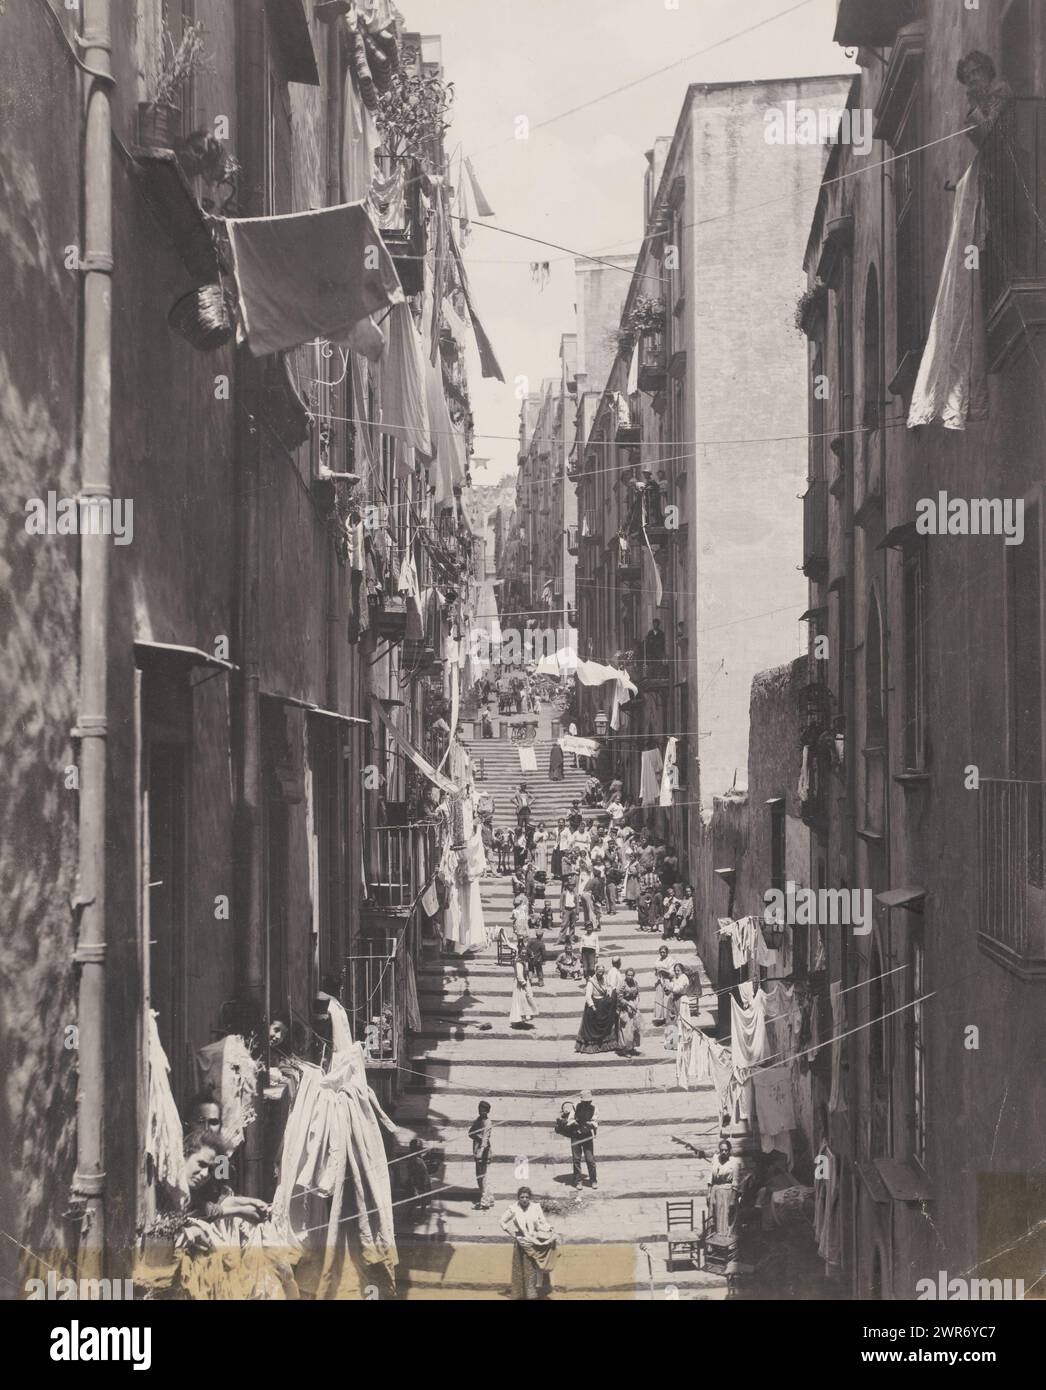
<point>681,1231</point>
<point>506,953</point>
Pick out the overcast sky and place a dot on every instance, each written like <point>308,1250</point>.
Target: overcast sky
<point>579,180</point>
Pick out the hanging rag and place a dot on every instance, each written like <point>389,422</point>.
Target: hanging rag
<point>447,443</point>
<point>669,779</point>
<point>227,1069</point>
<point>483,208</point>
<point>827,1226</point>
<point>163,1130</point>
<point>528,760</point>
<point>650,776</point>
<point>951,384</point>
<point>309,275</point>
<point>413,1007</point>
<point>772,1091</point>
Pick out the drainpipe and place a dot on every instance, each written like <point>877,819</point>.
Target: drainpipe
<point>92,727</point>
<point>252,944</point>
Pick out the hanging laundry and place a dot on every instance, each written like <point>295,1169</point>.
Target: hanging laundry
<point>413,1007</point>
<point>836,1100</point>
<point>803,789</point>
<point>163,1128</point>
<point>447,443</point>
<point>748,1040</point>
<point>669,776</point>
<point>650,776</point>
<point>488,362</point>
<point>367,339</point>
<point>951,385</point>
<point>228,1070</point>
<point>309,275</point>
<point>827,1212</point>
<point>528,761</point>
<point>360,142</point>
<point>772,1091</point>
<point>539,273</point>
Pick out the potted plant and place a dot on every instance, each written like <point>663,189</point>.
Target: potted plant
<point>159,120</point>
<point>411,115</point>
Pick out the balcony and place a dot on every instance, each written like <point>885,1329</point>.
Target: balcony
<point>653,369</point>
<point>1011,847</point>
<point>572,540</point>
<point>1014,159</point>
<point>402,221</point>
<point>400,858</point>
<point>629,568</point>
<point>871,23</point>
<point>815,531</point>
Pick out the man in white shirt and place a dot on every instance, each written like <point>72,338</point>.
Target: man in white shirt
<point>614,977</point>
<point>589,951</point>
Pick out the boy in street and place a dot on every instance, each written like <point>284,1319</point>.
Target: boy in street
<point>569,899</point>
<point>480,1131</point>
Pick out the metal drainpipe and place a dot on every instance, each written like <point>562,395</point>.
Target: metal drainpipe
<point>252,945</point>
<point>92,720</point>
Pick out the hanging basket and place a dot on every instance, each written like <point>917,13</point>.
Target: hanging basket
<point>204,317</point>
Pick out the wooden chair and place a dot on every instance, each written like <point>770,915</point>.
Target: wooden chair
<point>681,1231</point>
<point>506,953</point>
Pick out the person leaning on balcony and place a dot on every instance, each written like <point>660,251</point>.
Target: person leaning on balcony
<point>989,100</point>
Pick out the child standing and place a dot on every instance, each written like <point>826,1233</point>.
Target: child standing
<point>480,1132</point>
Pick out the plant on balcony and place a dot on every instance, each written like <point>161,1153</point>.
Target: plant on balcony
<point>412,114</point>
<point>174,66</point>
<point>810,306</point>
<point>646,316</point>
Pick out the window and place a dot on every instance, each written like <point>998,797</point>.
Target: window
<point>918,1053</point>
<point>914,665</point>
<point>908,278</point>
<point>873,390</point>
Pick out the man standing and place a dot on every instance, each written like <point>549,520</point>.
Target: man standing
<point>521,805</point>
<point>568,899</point>
<point>480,1132</point>
<point>614,977</point>
<point>583,1144</point>
<point>589,951</point>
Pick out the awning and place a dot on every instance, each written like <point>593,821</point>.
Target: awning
<point>193,655</point>
<point>408,750</point>
<point>911,898</point>
<point>307,275</point>
<point>311,708</point>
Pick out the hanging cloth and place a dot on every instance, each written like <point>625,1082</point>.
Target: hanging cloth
<point>650,776</point>
<point>836,1100</point>
<point>163,1133</point>
<point>447,443</point>
<point>307,275</point>
<point>405,747</point>
<point>360,141</point>
<point>951,384</point>
<point>668,774</point>
<point>483,208</point>
<point>748,1038</point>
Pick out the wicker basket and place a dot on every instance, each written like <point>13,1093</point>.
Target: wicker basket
<point>204,317</point>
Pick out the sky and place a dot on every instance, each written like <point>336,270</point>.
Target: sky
<point>579,180</point>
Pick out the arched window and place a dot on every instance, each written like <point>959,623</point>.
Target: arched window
<point>873,387</point>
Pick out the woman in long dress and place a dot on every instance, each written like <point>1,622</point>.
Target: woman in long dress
<point>663,972</point>
<point>523,1007</point>
<point>677,987</point>
<point>535,1247</point>
<point>541,848</point>
<point>555,763</point>
<point>628,1027</point>
<point>598,1030</point>
<point>724,1193</point>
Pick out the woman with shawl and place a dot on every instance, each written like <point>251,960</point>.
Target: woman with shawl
<point>535,1247</point>
<point>598,1030</point>
<point>675,991</point>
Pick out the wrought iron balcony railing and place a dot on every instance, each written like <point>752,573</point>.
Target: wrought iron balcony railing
<point>1011,849</point>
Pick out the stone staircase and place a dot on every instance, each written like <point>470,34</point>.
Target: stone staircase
<point>498,773</point>
<point>612,1241</point>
